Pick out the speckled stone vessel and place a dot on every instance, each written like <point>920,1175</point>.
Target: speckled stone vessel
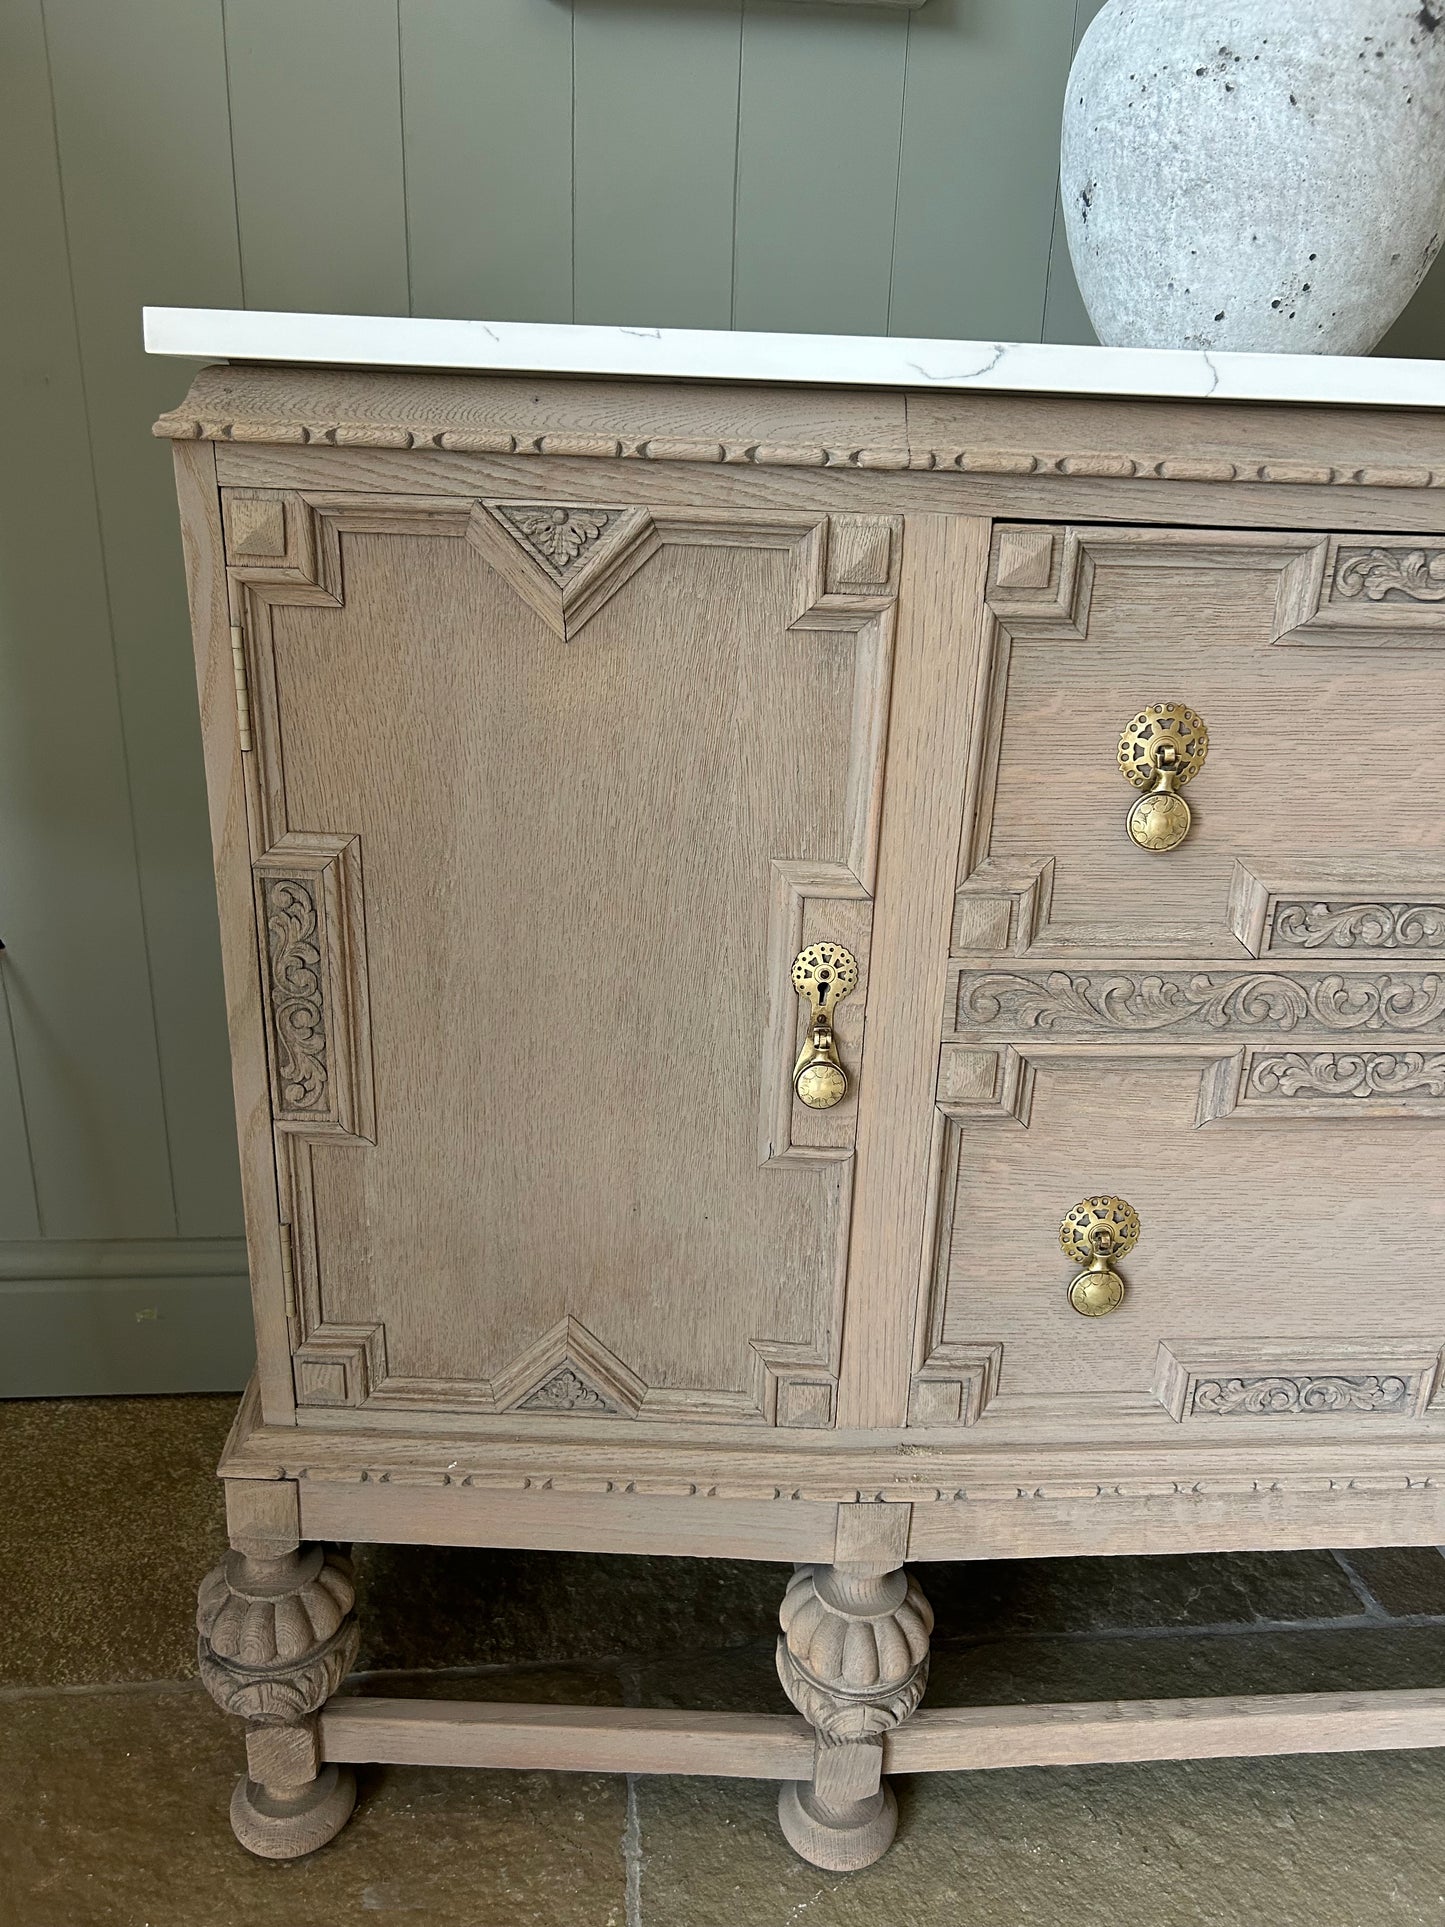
<point>1261,175</point>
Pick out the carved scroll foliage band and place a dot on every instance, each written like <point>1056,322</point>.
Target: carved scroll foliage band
<point>1360,1074</point>
<point>1285,1379</point>
<point>1277,1396</point>
<point>1363,926</point>
<point>298,1019</point>
<point>1060,1001</point>
<point>1412,575</point>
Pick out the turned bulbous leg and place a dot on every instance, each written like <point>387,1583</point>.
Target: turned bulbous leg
<point>277,1637</point>
<point>853,1659</point>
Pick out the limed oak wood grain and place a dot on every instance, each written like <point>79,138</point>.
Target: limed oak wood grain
<point>542,722</point>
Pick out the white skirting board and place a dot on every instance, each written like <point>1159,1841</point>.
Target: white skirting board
<point>80,1318</point>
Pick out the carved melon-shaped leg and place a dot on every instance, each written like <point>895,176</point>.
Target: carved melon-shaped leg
<point>277,1637</point>
<point>853,1659</point>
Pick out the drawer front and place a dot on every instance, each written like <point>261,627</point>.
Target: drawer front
<point>548,796</point>
<point>1243,1037</point>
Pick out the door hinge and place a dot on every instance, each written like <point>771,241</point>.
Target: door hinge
<point>288,1282</point>
<point>243,693</point>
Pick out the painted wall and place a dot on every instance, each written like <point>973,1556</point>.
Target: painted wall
<point>702,163</point>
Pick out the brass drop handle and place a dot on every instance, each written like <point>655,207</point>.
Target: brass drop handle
<point>1162,749</point>
<point>1094,1234</point>
<point>824,974</point>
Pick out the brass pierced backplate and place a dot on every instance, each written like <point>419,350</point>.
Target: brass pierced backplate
<point>1161,749</point>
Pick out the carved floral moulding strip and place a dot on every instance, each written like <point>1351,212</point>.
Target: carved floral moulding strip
<point>1105,465</point>
<point>1310,1085</point>
<point>1290,1380</point>
<point>1305,925</point>
<point>297,998</point>
<point>1324,908</point>
<point>1390,574</point>
<point>308,899</point>
<point>1309,1075</point>
<point>1107,1001</point>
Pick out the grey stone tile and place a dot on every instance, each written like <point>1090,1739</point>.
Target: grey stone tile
<point>112,1513</point>
<point>1403,1580</point>
<point>113,1814</point>
<point>1086,1595</point>
<point>1327,1842</point>
<point>1018,1671</point>
<point>741,1679</point>
<point>441,1606</point>
<point>1339,1841</point>
<point>426,1606</point>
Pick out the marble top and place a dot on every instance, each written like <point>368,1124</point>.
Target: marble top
<point>839,361</point>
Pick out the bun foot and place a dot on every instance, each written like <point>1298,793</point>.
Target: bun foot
<point>843,1840</point>
<point>283,1823</point>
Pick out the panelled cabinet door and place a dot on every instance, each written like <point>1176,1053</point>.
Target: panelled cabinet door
<point>548,796</point>
<point>1242,1035</point>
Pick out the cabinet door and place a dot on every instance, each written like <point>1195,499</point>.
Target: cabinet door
<point>1243,1037</point>
<point>549,794</point>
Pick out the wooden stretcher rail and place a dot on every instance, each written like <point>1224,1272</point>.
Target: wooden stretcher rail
<point>765,1746</point>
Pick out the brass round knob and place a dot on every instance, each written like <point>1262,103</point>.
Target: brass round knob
<point>1093,1294</point>
<point>821,1085</point>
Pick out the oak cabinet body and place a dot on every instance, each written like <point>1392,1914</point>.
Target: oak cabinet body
<point>545,723</point>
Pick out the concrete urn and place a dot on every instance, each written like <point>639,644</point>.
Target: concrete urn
<point>1263,175</point>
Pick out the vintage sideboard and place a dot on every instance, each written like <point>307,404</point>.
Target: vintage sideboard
<point>836,974</point>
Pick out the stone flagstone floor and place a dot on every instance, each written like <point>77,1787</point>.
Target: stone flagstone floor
<point>115,1768</point>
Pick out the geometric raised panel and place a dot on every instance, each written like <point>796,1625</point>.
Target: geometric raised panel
<point>309,911</point>
<point>829,590</point>
<point>1023,559</point>
<point>255,526</point>
<point>981,924</point>
<point>954,1385</point>
<point>862,554</point>
<point>339,1365</point>
<point>984,1084</point>
<point>806,1403</point>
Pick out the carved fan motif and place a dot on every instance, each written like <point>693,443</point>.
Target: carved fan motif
<point>558,534</point>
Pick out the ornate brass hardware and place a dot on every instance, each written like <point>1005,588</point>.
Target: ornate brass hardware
<point>1094,1234</point>
<point>824,973</point>
<point>1163,748</point>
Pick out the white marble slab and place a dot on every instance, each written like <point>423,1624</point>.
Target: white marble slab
<point>695,354</point>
